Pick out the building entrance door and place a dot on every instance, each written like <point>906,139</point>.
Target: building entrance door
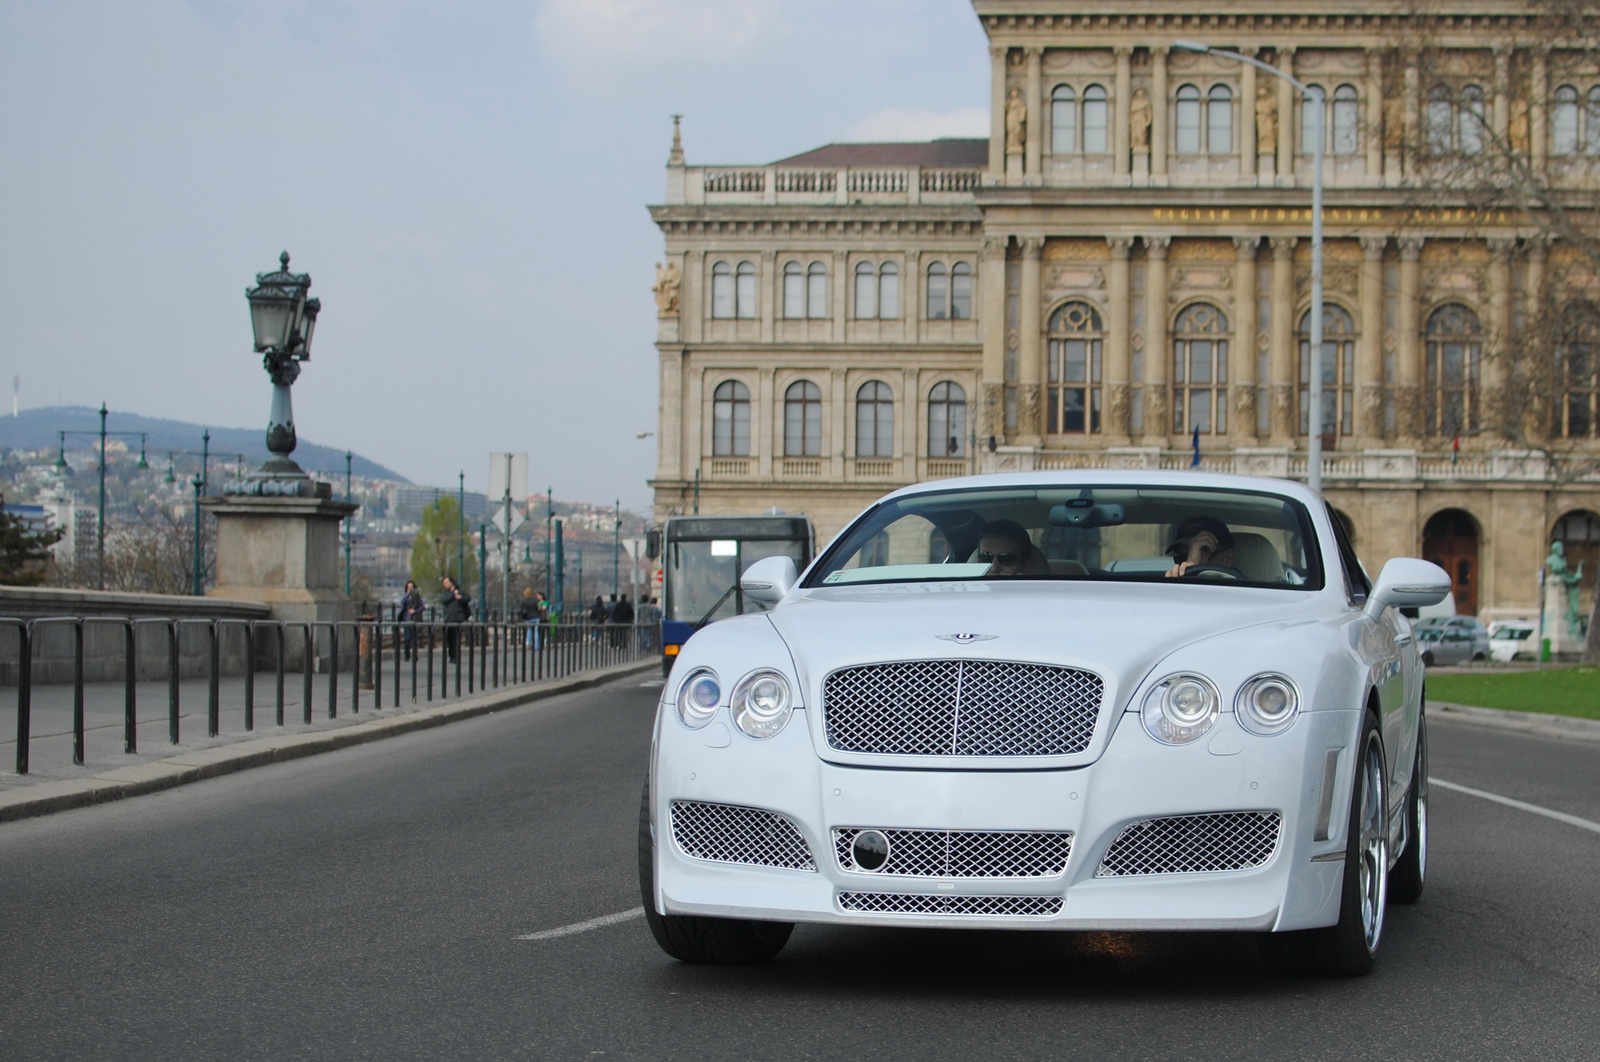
<point>1450,540</point>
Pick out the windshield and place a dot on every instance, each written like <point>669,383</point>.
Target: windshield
<point>703,576</point>
<point>1101,533</point>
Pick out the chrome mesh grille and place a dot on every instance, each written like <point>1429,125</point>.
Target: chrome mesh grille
<point>1193,844</point>
<point>921,904</point>
<point>728,833</point>
<point>964,853</point>
<point>961,708</point>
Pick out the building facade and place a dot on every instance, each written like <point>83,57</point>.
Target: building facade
<point>1126,259</point>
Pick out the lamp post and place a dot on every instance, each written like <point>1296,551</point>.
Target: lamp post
<point>616,548</point>
<point>549,532</point>
<point>461,528</point>
<point>100,511</point>
<point>199,486</point>
<point>282,320</point>
<point>347,457</point>
<point>1316,95</point>
<point>202,476</point>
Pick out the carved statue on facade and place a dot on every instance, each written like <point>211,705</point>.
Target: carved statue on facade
<point>1139,117</point>
<point>1519,126</point>
<point>1394,123</point>
<point>1558,574</point>
<point>1266,121</point>
<point>666,288</point>
<point>1016,121</point>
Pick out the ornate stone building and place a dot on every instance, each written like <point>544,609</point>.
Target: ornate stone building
<point>1126,259</point>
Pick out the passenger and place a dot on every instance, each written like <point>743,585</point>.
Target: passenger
<point>1202,541</point>
<point>1008,550</point>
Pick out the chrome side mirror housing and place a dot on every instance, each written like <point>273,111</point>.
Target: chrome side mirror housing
<point>1407,582</point>
<point>766,581</point>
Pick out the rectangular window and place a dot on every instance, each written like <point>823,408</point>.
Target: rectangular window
<point>793,293</point>
<point>817,292</point>
<point>746,293</point>
<point>961,292</point>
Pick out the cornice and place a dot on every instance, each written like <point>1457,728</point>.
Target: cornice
<point>1064,23</point>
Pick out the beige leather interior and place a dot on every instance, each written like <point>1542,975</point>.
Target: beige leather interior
<point>1255,556</point>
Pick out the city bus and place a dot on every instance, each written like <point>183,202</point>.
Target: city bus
<point>702,558</point>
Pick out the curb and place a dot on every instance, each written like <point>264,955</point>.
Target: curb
<point>48,797</point>
<point>1556,726</point>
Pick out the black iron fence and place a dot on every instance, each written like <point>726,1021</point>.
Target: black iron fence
<point>392,660</point>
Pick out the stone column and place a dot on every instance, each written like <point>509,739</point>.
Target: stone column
<point>1247,120</point>
<point>764,417</point>
<point>1369,351</point>
<point>1030,355</point>
<point>1034,145</point>
<point>1282,357</point>
<point>1498,353</point>
<point>1157,399</point>
<point>692,305</point>
<point>997,114</point>
<point>284,552</point>
<point>911,296</point>
<point>1242,354</point>
<point>1411,96</point>
<point>840,292</point>
<point>1538,92</point>
<point>1288,124</point>
<point>1121,140</point>
<point>1119,326</point>
<point>1158,118</point>
<point>669,437</point>
<point>1372,111</point>
<point>768,290</point>
<point>1502,93</point>
<point>1408,356</point>
<point>992,275</point>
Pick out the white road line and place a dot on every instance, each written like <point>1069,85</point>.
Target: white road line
<point>584,927</point>
<point>1534,809</point>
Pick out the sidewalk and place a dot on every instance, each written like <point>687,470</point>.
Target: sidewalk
<point>55,783</point>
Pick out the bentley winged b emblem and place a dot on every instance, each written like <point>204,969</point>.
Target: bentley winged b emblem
<point>966,639</point>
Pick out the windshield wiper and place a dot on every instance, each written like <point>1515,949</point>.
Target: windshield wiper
<point>707,617</point>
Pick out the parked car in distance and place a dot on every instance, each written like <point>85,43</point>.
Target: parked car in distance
<point>1509,639</point>
<point>1477,634</point>
<point>1442,646</point>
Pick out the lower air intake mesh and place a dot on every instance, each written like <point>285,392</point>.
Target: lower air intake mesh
<point>729,833</point>
<point>1193,844</point>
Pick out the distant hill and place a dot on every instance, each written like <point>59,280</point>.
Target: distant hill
<point>35,429</point>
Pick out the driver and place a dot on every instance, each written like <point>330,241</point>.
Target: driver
<point>1200,541</point>
<point>1006,548</point>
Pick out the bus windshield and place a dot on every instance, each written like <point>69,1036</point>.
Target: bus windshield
<point>705,557</point>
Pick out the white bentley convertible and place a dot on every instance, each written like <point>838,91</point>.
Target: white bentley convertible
<point>1077,701</point>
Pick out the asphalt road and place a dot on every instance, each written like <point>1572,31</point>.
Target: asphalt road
<point>367,903</point>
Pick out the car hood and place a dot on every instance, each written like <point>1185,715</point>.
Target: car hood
<point>1119,631</point>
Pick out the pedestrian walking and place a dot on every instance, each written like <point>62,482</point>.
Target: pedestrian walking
<point>410,613</point>
<point>529,610</point>
<point>456,607</point>
<point>621,619</point>
<point>597,616</point>
<point>649,621</point>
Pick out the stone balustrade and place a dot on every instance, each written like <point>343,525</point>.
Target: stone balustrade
<point>814,186</point>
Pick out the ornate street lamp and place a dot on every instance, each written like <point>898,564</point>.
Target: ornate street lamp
<point>283,320</point>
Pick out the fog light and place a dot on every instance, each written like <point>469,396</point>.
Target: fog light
<point>870,850</point>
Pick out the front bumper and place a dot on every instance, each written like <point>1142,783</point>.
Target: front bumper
<point>1136,778</point>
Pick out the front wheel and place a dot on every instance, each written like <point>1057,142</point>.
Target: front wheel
<point>694,938</point>
<point>1411,869</point>
<point>1427,659</point>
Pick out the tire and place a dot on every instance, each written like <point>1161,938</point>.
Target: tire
<point>1349,947</point>
<point>1427,659</point>
<point>693,938</point>
<point>1411,869</point>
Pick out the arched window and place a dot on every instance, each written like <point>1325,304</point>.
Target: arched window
<point>1346,120</point>
<point>730,420</point>
<point>938,292</point>
<point>1094,121</point>
<point>794,290</point>
<point>1454,350</point>
<point>1073,398</point>
<point>866,291</point>
<point>1186,120</point>
<point>1219,120</point>
<point>1591,123</point>
<point>1473,121</point>
<point>1200,370</point>
<point>1441,116</point>
<point>889,291</point>
<point>817,290</point>
<point>1564,122</point>
<point>961,291</point>
<point>1063,121</point>
<point>875,420</point>
<point>745,291</point>
<point>1338,371</point>
<point>1577,371</point>
<point>802,420</point>
<point>1308,118</point>
<point>947,420</point>
<point>721,290</point>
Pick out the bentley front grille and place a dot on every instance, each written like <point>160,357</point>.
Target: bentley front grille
<point>963,853</point>
<point>935,904</point>
<point>961,708</point>
<point>1193,844</point>
<point>728,833</point>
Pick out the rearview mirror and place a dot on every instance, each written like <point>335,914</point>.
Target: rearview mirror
<point>1076,513</point>
<point>767,580</point>
<point>1407,582</point>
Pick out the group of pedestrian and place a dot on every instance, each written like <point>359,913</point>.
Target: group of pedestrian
<point>455,608</point>
<point>613,615</point>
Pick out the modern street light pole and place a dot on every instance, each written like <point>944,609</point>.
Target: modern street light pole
<point>616,550</point>
<point>199,487</point>
<point>549,532</point>
<point>62,466</point>
<point>347,458</point>
<point>1316,95</point>
<point>461,528</point>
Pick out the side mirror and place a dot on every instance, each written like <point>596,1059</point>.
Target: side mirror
<point>766,581</point>
<point>1407,582</point>
<point>652,543</point>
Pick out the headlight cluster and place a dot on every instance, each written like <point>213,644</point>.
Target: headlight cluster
<point>760,705</point>
<point>1184,707</point>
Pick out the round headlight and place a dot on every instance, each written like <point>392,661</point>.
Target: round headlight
<point>698,698</point>
<point>1180,708</point>
<point>761,703</point>
<point>1267,704</point>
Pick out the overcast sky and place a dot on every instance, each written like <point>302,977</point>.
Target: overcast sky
<point>465,181</point>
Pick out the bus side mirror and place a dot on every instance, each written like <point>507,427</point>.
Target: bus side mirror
<point>767,580</point>
<point>652,544</point>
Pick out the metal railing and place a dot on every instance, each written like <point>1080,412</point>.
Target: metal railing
<point>487,655</point>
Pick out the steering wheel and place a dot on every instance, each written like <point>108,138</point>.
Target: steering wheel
<point>1213,571</point>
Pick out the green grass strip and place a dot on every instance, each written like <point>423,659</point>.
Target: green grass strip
<point>1573,691</point>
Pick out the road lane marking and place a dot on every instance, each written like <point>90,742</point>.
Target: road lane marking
<point>584,927</point>
<point>1533,809</point>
